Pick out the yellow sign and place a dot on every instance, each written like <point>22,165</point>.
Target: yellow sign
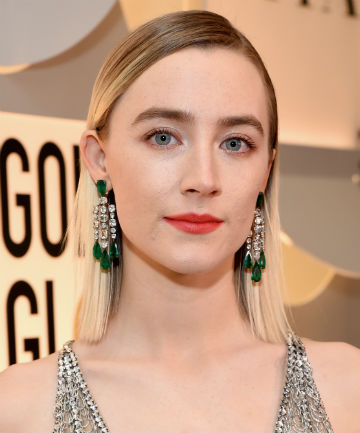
<point>38,175</point>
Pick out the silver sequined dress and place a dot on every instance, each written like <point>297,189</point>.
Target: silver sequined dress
<point>301,409</point>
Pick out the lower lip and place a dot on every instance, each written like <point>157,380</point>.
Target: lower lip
<point>191,227</point>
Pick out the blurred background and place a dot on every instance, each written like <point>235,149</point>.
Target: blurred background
<point>50,54</point>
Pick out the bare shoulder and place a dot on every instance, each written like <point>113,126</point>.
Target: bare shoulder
<point>27,395</point>
<point>336,372</point>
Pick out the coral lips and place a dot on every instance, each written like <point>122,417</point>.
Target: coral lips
<point>194,223</point>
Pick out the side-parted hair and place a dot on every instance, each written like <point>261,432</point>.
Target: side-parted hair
<point>261,304</point>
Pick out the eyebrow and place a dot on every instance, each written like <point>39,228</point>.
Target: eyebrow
<point>187,117</point>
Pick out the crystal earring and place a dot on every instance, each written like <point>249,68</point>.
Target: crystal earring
<point>104,228</point>
<point>257,244</point>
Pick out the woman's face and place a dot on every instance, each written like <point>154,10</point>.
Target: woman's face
<point>189,135</point>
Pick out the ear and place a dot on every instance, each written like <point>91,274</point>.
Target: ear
<point>93,153</point>
<point>271,160</point>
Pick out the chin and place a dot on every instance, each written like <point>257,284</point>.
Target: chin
<point>193,266</point>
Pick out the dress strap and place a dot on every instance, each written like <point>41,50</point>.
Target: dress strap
<point>301,408</point>
<point>75,409</point>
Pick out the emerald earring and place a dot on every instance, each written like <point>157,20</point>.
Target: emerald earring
<point>257,244</point>
<point>104,223</point>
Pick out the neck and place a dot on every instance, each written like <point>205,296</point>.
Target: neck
<point>166,315</point>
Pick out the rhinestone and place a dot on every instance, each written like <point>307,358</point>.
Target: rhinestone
<point>248,246</point>
<point>96,224</point>
<point>111,208</point>
<point>258,220</point>
<point>112,222</point>
<point>248,240</point>
<point>104,218</point>
<point>95,216</point>
<point>104,226</point>
<point>103,200</point>
<point>103,209</point>
<point>96,208</point>
<point>256,255</point>
<point>112,215</point>
<point>257,229</point>
<point>113,230</point>
<point>104,243</point>
<point>113,235</point>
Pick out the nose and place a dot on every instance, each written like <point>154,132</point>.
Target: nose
<point>201,171</point>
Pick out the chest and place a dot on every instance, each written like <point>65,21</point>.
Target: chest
<point>226,400</point>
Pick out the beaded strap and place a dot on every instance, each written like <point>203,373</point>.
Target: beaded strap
<point>75,409</point>
<point>301,409</point>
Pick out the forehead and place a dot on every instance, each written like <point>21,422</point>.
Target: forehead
<point>210,83</point>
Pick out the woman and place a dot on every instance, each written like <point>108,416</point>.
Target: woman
<point>182,326</point>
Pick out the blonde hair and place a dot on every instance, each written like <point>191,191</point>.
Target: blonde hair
<point>261,304</point>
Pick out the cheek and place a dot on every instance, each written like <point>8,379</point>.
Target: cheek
<point>242,214</point>
<point>243,199</point>
<point>140,188</point>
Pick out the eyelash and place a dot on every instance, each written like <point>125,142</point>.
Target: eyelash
<point>153,132</point>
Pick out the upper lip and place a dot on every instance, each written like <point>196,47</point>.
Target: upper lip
<point>195,218</point>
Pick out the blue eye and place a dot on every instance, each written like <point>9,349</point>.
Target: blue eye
<point>235,144</point>
<point>162,138</point>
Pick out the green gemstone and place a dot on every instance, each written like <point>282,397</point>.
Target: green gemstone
<point>256,273</point>
<point>262,261</point>
<point>114,251</point>
<point>260,199</point>
<point>105,260</point>
<point>247,261</point>
<point>101,187</point>
<point>97,250</point>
